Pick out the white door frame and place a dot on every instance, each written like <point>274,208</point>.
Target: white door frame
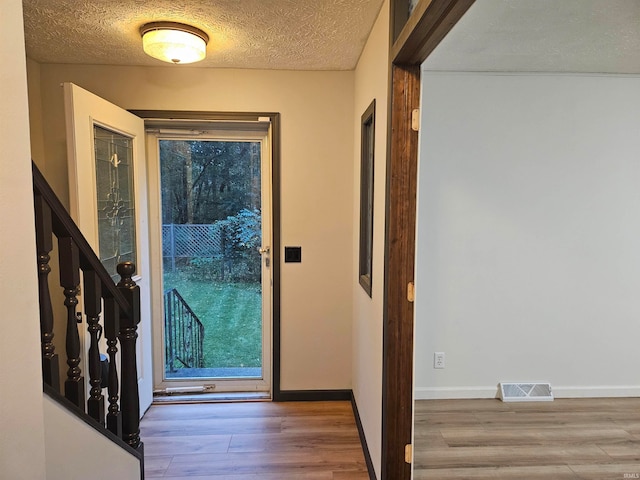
<point>259,131</point>
<point>83,110</point>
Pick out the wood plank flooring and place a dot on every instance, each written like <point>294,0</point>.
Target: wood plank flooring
<point>591,439</point>
<point>253,440</point>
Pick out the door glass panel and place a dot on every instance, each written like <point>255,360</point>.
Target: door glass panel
<point>212,266</point>
<point>115,198</point>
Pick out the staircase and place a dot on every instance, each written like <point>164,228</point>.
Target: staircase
<point>108,309</point>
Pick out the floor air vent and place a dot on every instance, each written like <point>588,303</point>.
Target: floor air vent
<point>526,392</point>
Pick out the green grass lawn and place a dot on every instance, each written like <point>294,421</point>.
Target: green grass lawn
<point>231,315</point>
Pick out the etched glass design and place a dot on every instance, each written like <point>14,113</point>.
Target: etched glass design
<point>116,200</point>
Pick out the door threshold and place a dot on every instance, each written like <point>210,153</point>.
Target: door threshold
<point>218,397</point>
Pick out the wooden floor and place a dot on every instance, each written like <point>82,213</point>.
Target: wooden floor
<point>253,440</point>
<point>595,439</point>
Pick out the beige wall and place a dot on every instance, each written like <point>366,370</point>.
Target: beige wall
<point>22,426</point>
<point>371,81</point>
<point>35,113</point>
<point>316,184</point>
<point>66,435</point>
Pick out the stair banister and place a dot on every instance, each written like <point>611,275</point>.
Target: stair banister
<point>118,306</point>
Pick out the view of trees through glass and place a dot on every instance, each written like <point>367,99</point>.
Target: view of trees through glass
<point>211,217</point>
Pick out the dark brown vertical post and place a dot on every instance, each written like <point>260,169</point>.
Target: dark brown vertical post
<point>70,281</point>
<point>44,244</point>
<point>413,38</point>
<point>130,402</point>
<point>92,309</point>
<point>399,269</point>
<point>111,330</point>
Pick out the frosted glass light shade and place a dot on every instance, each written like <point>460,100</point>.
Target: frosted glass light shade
<point>174,42</point>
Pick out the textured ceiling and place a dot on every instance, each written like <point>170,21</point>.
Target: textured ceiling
<point>265,34</point>
<point>582,36</point>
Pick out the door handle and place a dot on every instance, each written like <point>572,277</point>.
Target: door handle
<point>265,251</point>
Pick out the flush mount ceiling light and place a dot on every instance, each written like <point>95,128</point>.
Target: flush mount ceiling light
<point>174,42</point>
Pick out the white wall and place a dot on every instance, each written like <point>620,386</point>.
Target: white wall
<point>528,266</point>
<point>66,435</point>
<point>316,185</point>
<point>371,82</point>
<point>22,429</point>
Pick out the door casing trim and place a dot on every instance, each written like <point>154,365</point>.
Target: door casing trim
<point>246,118</point>
<point>412,39</point>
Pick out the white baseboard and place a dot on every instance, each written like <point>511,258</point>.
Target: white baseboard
<point>441,393</point>
<point>597,391</point>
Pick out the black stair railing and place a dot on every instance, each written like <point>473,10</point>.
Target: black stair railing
<point>109,308</point>
<point>184,333</point>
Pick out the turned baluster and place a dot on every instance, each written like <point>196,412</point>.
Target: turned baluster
<point>92,309</point>
<point>111,329</point>
<point>130,403</point>
<point>44,245</point>
<point>70,281</point>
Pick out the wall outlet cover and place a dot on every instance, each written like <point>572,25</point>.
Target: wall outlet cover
<point>438,360</point>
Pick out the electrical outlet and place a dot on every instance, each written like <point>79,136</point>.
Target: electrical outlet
<point>438,360</point>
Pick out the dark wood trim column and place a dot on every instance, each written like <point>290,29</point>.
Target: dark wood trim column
<point>413,38</point>
<point>399,269</point>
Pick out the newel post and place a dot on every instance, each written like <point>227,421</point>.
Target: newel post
<point>129,402</point>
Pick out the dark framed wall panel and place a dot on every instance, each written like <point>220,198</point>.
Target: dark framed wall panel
<point>367,165</point>
<point>399,16</point>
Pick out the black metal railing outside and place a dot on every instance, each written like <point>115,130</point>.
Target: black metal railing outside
<point>184,334</point>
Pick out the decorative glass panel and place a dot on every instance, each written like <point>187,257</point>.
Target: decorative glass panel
<point>116,200</point>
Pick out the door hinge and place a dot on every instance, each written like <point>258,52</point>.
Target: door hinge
<point>411,292</point>
<point>415,119</point>
<point>408,453</point>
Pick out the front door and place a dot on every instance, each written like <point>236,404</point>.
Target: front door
<point>215,231</point>
<point>108,199</point>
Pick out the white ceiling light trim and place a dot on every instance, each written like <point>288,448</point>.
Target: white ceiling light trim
<point>174,42</point>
